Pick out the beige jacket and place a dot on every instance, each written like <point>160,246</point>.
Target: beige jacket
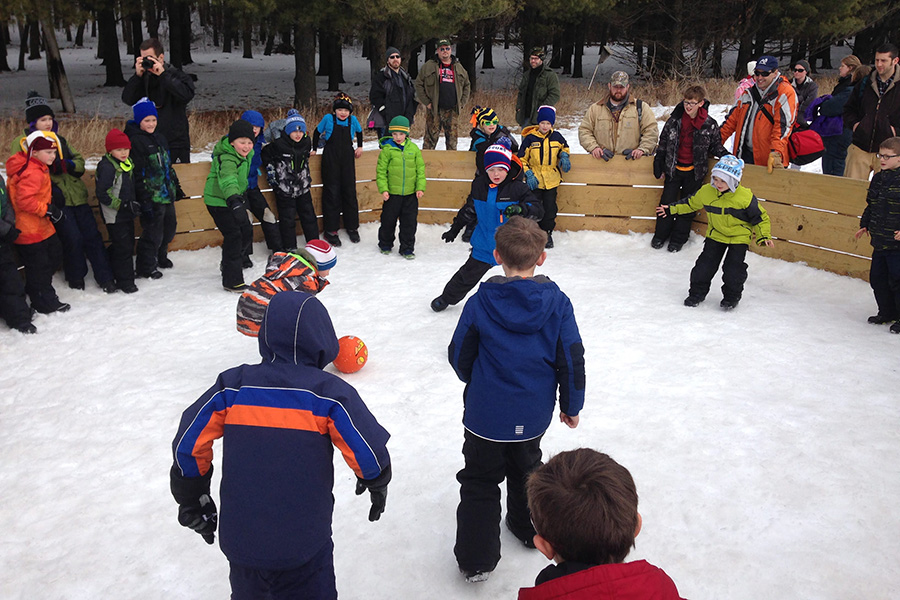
<point>598,129</point>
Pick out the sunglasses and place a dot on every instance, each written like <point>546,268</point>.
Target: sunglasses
<point>886,156</point>
<point>394,56</point>
<point>491,122</point>
<point>799,70</point>
<point>761,73</point>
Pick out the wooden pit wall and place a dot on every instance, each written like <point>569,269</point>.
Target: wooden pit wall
<point>813,216</point>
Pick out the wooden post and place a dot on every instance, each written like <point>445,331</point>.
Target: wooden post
<point>55,69</point>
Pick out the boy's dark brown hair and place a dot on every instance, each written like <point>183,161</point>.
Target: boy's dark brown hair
<point>152,43</point>
<point>695,92</point>
<point>892,144</point>
<point>585,505</point>
<point>520,243</point>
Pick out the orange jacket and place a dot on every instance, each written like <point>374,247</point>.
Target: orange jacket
<point>780,103</point>
<point>29,191</point>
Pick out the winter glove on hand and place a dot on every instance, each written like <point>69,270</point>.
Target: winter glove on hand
<point>70,166</point>
<point>776,160</point>
<point>512,210</point>
<point>201,517</point>
<point>134,206</point>
<point>564,163</point>
<point>55,214</point>
<point>607,154</point>
<point>235,203</point>
<point>377,490</point>
<point>449,235</point>
<point>10,236</point>
<point>627,154</point>
<point>532,180</point>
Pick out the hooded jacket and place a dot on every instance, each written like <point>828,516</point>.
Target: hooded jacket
<point>707,144</point>
<point>874,115</point>
<point>64,175</point>
<point>154,178</point>
<point>540,154</point>
<point>882,213</point>
<point>30,193</point>
<point>400,169</point>
<point>515,346</point>
<point>732,216</point>
<point>228,174</point>
<point>287,165</point>
<point>280,421</point>
<point>115,189</point>
<point>779,104</point>
<point>638,580</point>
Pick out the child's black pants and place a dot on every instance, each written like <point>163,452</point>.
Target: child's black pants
<point>884,277</point>
<point>676,228</point>
<point>734,270</point>
<point>406,209</point>
<point>232,225</point>
<point>464,280</point>
<point>13,307</point>
<point>41,261</point>
<point>121,247</point>
<point>289,209</point>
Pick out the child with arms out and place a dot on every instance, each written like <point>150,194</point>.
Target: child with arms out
<point>516,347</point>
<point>400,175</point>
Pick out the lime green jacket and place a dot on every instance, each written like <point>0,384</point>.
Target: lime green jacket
<point>732,216</point>
<point>400,171</point>
<point>227,175</point>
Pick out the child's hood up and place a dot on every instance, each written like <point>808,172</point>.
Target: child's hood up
<point>296,329</point>
<point>520,305</point>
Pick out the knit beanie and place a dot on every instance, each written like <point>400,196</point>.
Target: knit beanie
<point>254,118</point>
<point>293,122</point>
<point>389,51</point>
<point>486,115</point>
<point>546,113</point>
<point>497,155</point>
<point>240,129</point>
<point>36,107</point>
<point>802,63</point>
<point>342,100</point>
<point>729,169</point>
<point>115,139</point>
<point>399,123</point>
<point>143,109</point>
<point>41,140</point>
<point>324,254</point>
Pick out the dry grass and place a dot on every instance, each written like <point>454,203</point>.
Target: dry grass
<point>87,135</point>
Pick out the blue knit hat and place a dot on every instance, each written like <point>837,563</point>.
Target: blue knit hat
<point>546,113</point>
<point>143,109</point>
<point>294,122</point>
<point>254,118</point>
<point>729,169</point>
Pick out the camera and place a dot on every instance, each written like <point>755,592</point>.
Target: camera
<point>147,63</point>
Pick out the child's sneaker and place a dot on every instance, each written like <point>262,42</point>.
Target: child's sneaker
<point>438,304</point>
<point>26,328</point>
<point>475,576</point>
<point>77,284</point>
<point>128,287</point>
<point>549,243</point>
<point>238,287</point>
<point>895,328</point>
<point>728,304</point>
<point>693,301</point>
<point>353,234</point>
<point>109,287</point>
<point>164,263</point>
<point>332,238</point>
<point>408,256</point>
<point>385,251</point>
<point>880,319</point>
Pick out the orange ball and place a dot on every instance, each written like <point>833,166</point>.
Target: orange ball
<point>352,355</point>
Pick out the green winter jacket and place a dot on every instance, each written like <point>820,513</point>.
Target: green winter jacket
<point>227,175</point>
<point>69,183</point>
<point>400,170</point>
<point>546,92</point>
<point>732,216</point>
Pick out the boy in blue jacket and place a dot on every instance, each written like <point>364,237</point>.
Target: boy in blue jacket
<point>515,346</point>
<point>279,421</point>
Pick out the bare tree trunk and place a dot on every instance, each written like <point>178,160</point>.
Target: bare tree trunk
<point>23,43</point>
<point>304,66</point>
<point>335,63</point>
<point>465,50</point>
<point>578,68</point>
<point>248,38</point>
<point>79,34</point>
<point>324,54</point>
<point>184,10</point>
<point>487,44</point>
<point>4,40</point>
<point>110,42</point>
<point>717,59</point>
<point>55,69</point>
<point>152,19</point>
<point>34,37</point>
<point>377,42</point>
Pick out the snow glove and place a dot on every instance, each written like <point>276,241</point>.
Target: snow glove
<point>532,180</point>
<point>607,154</point>
<point>512,210</point>
<point>564,163</point>
<point>377,490</point>
<point>236,204</point>
<point>196,509</point>
<point>54,213</point>
<point>449,235</point>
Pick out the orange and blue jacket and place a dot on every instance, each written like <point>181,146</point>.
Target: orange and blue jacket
<point>279,421</point>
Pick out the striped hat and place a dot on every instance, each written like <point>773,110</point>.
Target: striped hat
<point>324,254</point>
<point>497,156</point>
<point>399,123</point>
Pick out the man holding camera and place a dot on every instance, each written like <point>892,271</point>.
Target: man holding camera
<point>170,89</point>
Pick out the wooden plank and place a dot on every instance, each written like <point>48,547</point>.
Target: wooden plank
<point>618,171</point>
<point>818,258</point>
<point>611,224</point>
<point>443,164</point>
<point>608,200</point>
<point>817,228</point>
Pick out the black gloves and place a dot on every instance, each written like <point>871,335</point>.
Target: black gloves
<point>627,154</point>
<point>512,210</point>
<point>134,206</point>
<point>607,154</point>
<point>377,489</point>
<point>10,236</point>
<point>54,213</point>
<point>201,517</point>
<point>449,235</point>
<point>235,203</point>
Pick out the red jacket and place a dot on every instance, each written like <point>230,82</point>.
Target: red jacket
<point>29,191</point>
<point>638,580</point>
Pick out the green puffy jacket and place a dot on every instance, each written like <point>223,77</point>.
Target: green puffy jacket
<point>69,182</point>
<point>227,175</point>
<point>546,92</point>
<point>732,216</point>
<point>400,171</point>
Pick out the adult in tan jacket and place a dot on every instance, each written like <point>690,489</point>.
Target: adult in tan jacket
<point>443,88</point>
<point>618,123</point>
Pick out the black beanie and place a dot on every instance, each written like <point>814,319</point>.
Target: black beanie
<point>239,129</point>
<point>36,107</point>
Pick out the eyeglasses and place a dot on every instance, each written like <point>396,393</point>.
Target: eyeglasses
<point>761,73</point>
<point>394,56</point>
<point>690,103</point>
<point>886,156</point>
<point>799,70</point>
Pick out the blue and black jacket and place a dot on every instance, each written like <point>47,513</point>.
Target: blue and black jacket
<point>515,345</point>
<point>279,421</point>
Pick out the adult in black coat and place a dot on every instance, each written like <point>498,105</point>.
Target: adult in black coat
<point>393,92</point>
<point>170,89</point>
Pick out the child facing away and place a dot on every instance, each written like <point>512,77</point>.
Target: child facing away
<point>400,175</point>
<point>81,240</point>
<point>734,214</point>
<point>256,202</point>
<point>223,195</point>
<point>286,160</point>
<point>516,345</point>
<point>544,154</point>
<point>688,140</point>
<point>156,187</point>
<point>119,206</point>
<point>13,306</point>
<point>37,243</point>
<point>584,508</point>
<point>334,135</point>
<point>881,221</point>
<point>279,421</point>
<point>305,270</point>
<point>495,197</point>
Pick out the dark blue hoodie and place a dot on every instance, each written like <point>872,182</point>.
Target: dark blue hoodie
<point>279,421</point>
<point>516,343</point>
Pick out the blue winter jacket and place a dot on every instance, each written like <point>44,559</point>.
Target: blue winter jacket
<point>516,343</point>
<point>279,421</point>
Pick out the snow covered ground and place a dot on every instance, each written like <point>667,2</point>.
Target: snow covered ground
<point>763,441</point>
